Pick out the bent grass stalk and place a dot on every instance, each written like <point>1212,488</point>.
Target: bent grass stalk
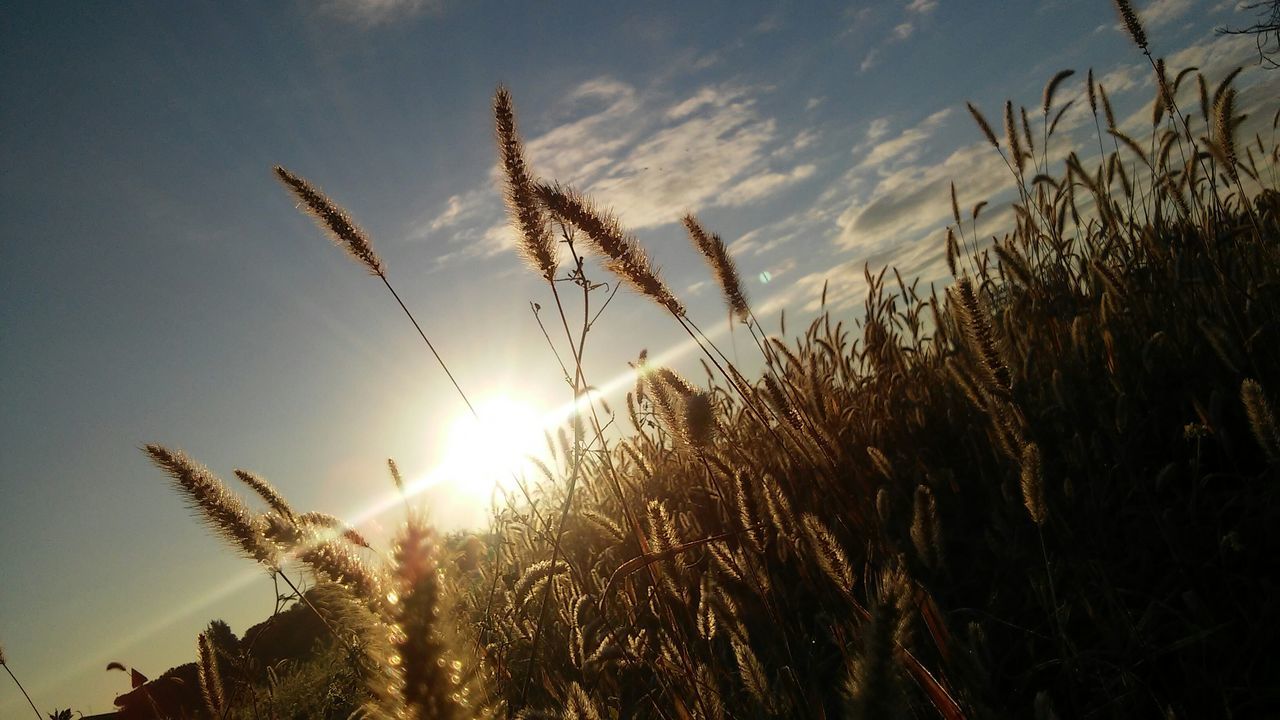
<point>346,234</point>
<point>4,662</point>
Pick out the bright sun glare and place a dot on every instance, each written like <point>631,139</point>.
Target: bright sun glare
<point>485,451</point>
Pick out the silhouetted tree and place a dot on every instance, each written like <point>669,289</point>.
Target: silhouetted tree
<point>1266,30</point>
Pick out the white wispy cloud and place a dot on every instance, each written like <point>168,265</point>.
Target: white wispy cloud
<point>900,32</point>
<point>606,122</point>
<point>802,141</point>
<point>644,155</point>
<point>695,162</point>
<point>877,129</point>
<point>762,185</point>
<point>458,209</point>
<point>907,146</point>
<point>763,240</point>
<point>899,191</point>
<point>870,61</point>
<point>914,198</point>
<point>1162,12</point>
<point>378,12</point>
<point>1154,14</point>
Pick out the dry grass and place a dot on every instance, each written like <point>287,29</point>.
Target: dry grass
<point>1051,491</point>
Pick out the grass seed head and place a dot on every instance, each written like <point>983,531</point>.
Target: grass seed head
<point>622,252</point>
<point>334,221</point>
<point>533,228</point>
<point>1033,484</point>
<point>221,510</point>
<point>209,677</point>
<point>986,131</point>
<point>1129,19</point>
<point>1262,421</point>
<point>722,266</point>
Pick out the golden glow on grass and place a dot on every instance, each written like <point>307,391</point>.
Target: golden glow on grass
<point>521,429</point>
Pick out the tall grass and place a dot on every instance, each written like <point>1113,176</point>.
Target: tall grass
<point>1050,491</point>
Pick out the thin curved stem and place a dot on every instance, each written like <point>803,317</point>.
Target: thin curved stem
<point>24,691</point>
<point>430,347</point>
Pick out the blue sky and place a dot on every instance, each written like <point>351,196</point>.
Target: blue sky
<point>158,286</point>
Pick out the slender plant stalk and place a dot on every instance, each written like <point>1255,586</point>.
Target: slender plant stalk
<point>24,691</point>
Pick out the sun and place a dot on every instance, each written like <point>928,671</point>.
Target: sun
<point>483,452</point>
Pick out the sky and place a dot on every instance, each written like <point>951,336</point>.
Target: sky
<point>158,285</point>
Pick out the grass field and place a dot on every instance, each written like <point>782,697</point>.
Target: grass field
<point>1047,491</point>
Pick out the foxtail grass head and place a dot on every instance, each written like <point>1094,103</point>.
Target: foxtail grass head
<point>1224,130</point>
<point>622,253</point>
<point>1032,481</point>
<point>209,677</point>
<point>221,510</point>
<point>1131,24</point>
<point>1051,89</point>
<point>987,132</point>
<point>722,266</point>
<point>396,477</point>
<point>532,226</point>
<point>1261,418</point>
<point>266,491</point>
<point>335,221</point>
<point>432,682</point>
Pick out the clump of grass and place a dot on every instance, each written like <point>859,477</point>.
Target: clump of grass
<point>1048,488</point>
<point>387,617</point>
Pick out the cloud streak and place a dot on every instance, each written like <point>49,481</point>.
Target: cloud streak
<point>646,156</point>
<point>370,13</point>
<point>912,12</point>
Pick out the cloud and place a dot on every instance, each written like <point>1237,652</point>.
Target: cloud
<point>694,163</point>
<point>1215,57</point>
<point>892,205</point>
<point>899,33</point>
<point>1162,12</point>
<point>707,96</point>
<point>711,148</point>
<point>458,209</point>
<point>870,61</point>
<point>877,129</point>
<point>889,208</point>
<point>1154,14</point>
<point>646,156</point>
<point>762,185</point>
<point>907,146</point>
<point>1125,78</point>
<point>377,12</point>
<point>765,239</point>
<point>803,141</point>
<point>580,149</point>
<point>915,199</point>
<point>1220,55</point>
<point>900,189</point>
